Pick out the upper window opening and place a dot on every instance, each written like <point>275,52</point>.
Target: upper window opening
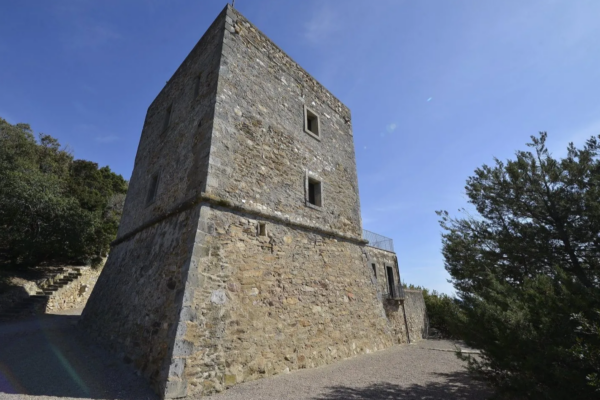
<point>314,192</point>
<point>197,82</point>
<point>167,117</point>
<point>152,189</point>
<point>312,125</point>
<point>374,270</point>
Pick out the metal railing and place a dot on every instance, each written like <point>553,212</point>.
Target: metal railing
<point>397,292</point>
<point>379,241</point>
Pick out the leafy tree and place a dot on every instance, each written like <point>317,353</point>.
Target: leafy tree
<point>53,208</point>
<point>526,270</point>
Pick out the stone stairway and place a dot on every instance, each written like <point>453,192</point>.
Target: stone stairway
<point>36,304</point>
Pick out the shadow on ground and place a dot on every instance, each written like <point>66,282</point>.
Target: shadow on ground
<point>456,386</point>
<point>50,356</point>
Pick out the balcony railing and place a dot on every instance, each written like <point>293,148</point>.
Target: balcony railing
<point>396,292</point>
<point>379,241</point>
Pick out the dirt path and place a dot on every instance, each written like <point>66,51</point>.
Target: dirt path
<point>47,357</point>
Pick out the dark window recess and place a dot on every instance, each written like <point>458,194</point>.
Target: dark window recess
<point>197,83</point>
<point>262,229</point>
<point>314,192</point>
<point>390,279</point>
<point>152,189</point>
<point>167,117</point>
<point>312,122</point>
<point>374,270</point>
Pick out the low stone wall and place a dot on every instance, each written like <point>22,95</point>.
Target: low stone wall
<point>416,314</point>
<point>76,293</point>
<point>408,317</point>
<point>395,314</point>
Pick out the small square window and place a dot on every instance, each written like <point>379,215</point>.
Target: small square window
<point>262,229</point>
<point>312,125</point>
<point>314,192</point>
<point>152,189</point>
<point>167,117</point>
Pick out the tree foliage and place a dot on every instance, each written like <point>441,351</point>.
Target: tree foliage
<point>52,207</point>
<point>526,271</point>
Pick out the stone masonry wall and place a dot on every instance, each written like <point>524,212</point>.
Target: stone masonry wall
<point>271,304</point>
<point>393,308</point>
<point>178,153</point>
<point>76,293</point>
<point>192,294</point>
<point>382,259</point>
<point>136,303</point>
<point>260,153</point>
<point>416,314</point>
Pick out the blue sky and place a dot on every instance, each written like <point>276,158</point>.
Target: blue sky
<point>436,87</point>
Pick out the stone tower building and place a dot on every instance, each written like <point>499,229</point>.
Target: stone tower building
<point>240,251</point>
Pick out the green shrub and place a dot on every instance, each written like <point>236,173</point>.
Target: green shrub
<point>442,311</point>
<point>53,208</point>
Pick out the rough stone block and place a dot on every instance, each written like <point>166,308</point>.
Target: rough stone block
<point>175,389</point>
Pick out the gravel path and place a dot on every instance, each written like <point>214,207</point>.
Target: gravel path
<point>417,371</point>
<point>46,357</point>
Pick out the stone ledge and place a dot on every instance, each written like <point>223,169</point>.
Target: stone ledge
<point>215,201</point>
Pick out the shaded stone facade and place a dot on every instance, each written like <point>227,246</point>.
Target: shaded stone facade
<point>226,268</point>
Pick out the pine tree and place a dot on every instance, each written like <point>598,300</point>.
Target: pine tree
<point>526,270</point>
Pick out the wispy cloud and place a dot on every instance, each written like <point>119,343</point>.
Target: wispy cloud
<point>91,36</point>
<point>107,139</point>
<point>82,27</point>
<point>322,25</point>
<point>578,136</point>
<point>7,117</point>
<point>389,128</point>
<point>390,207</point>
<point>98,134</point>
<point>81,109</point>
<point>88,89</point>
<point>368,220</point>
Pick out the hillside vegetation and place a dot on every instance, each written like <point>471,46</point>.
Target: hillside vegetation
<point>53,208</point>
